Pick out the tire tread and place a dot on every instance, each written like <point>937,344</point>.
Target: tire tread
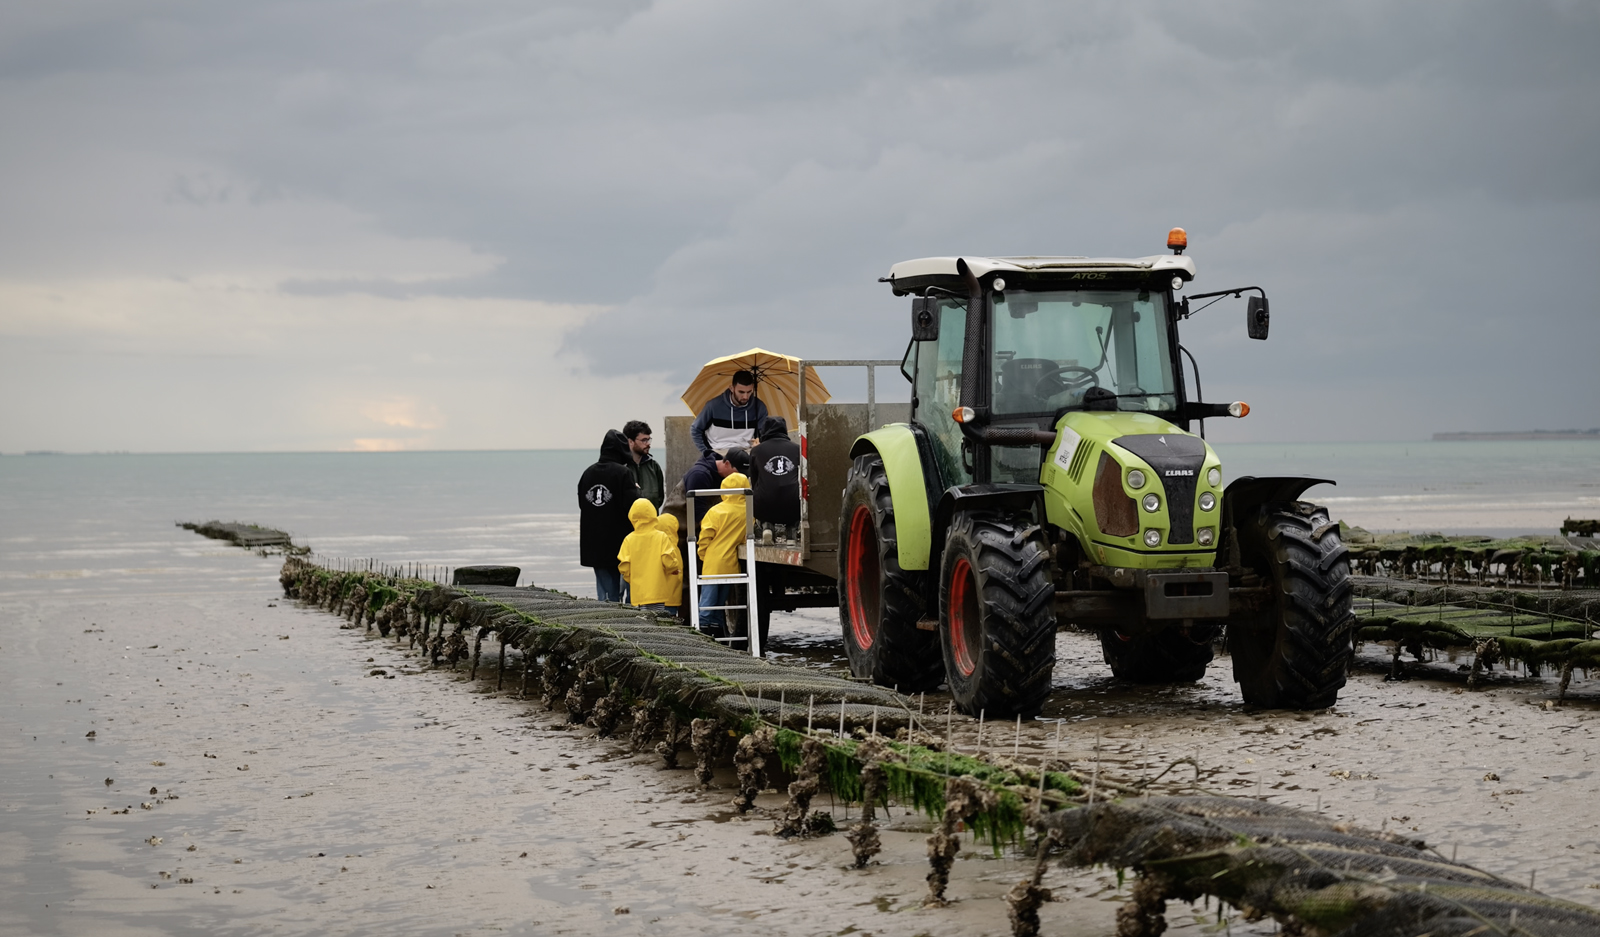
<point>903,656</point>
<point>1012,565</point>
<point>1311,642</point>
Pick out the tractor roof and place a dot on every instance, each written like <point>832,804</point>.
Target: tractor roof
<point>911,275</point>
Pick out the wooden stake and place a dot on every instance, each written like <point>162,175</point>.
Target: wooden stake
<point>949,736</point>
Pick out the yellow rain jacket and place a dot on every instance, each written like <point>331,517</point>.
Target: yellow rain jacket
<point>722,530</point>
<point>648,560</point>
<point>668,525</point>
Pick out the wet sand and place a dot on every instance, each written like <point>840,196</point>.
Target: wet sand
<point>319,798</point>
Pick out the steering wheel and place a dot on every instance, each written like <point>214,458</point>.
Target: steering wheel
<point>1066,377</point>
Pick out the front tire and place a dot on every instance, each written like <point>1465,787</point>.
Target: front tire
<point>1170,656</point>
<point>1295,654</point>
<point>879,603</point>
<point>997,626</point>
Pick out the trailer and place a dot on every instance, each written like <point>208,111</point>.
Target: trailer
<point>799,571</point>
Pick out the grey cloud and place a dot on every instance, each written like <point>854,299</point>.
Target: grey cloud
<point>751,169</point>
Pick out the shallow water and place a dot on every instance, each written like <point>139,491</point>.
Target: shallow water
<point>1495,488</point>
<point>77,524</point>
<point>98,524</point>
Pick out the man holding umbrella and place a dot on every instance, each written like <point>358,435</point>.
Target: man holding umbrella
<point>729,420</point>
<point>732,394</point>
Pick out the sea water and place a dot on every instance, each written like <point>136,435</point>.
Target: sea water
<point>1486,488</point>
<point>89,523</point>
<point>99,523</point>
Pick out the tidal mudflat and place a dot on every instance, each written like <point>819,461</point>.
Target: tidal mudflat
<point>253,771</point>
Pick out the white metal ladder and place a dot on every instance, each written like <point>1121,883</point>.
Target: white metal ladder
<point>747,579</point>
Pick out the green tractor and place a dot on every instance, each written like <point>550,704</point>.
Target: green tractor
<point>1048,477</point>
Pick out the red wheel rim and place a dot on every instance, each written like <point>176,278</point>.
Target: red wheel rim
<point>861,577</point>
<point>964,626</point>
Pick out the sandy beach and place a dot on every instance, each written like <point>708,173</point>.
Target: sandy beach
<point>256,769</point>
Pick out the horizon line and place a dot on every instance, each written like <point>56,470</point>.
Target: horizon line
<point>391,452</point>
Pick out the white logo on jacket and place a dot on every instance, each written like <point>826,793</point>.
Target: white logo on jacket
<point>598,496</point>
<point>779,465</point>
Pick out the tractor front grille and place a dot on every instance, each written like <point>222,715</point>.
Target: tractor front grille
<point>1177,459</point>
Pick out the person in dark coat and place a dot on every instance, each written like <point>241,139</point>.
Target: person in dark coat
<point>707,474</point>
<point>605,493</point>
<point>775,474</point>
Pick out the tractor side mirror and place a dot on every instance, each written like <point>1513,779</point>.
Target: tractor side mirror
<point>1256,317</point>
<point>924,319</point>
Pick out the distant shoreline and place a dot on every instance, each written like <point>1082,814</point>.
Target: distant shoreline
<point>1520,435</point>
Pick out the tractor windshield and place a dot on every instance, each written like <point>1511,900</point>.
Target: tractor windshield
<point>1050,348</point>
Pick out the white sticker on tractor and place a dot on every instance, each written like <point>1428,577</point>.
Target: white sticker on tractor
<point>1069,445</point>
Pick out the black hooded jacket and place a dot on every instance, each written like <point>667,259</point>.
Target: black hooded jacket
<point>605,493</point>
<point>775,474</point>
<point>702,475</point>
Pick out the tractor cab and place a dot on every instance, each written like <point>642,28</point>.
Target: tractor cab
<point>1052,335</point>
<point>1048,476</point>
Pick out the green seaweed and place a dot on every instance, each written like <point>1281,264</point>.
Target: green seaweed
<point>917,777</point>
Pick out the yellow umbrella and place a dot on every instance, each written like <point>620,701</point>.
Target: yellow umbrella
<point>777,382</point>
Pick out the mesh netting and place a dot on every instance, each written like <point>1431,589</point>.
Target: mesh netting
<point>656,656</point>
<point>1559,628</point>
<point>1301,866</point>
<point>1563,605</point>
<point>1539,561</point>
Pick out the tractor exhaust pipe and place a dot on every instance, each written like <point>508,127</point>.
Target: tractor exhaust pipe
<point>972,353</point>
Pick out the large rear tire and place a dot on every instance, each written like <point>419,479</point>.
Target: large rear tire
<point>1170,656</point>
<point>1295,653</point>
<point>879,603</point>
<point>997,624</point>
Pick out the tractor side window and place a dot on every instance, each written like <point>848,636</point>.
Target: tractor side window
<point>938,391</point>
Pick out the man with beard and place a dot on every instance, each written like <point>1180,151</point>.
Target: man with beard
<point>646,471</point>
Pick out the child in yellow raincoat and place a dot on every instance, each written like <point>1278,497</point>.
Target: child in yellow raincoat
<point>668,525</point>
<point>721,532</point>
<point>649,560</point>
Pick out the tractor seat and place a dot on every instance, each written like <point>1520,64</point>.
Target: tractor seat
<point>1019,382</point>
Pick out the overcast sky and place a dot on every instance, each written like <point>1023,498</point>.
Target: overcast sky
<point>412,224</point>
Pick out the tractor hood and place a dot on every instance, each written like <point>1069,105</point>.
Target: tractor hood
<point>1093,490</point>
<point>910,275</point>
<point>1107,425</point>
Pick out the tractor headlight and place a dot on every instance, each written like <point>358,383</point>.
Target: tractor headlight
<point>1152,502</point>
<point>1135,478</point>
<point>1205,535</point>
<point>1152,538</point>
<point>1207,501</point>
<point>1214,477</point>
